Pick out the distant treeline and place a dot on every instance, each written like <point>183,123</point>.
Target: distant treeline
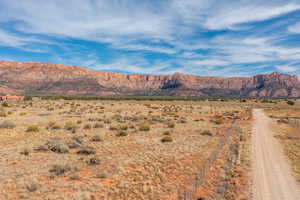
<point>150,98</point>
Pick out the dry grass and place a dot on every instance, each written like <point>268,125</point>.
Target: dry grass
<point>74,148</point>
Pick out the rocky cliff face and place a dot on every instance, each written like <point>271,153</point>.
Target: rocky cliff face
<point>47,78</point>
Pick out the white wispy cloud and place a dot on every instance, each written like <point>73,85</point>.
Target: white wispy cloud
<point>133,64</point>
<point>295,28</point>
<point>286,68</point>
<point>248,11</point>
<point>143,47</point>
<point>181,24</point>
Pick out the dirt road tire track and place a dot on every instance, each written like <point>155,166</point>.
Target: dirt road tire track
<point>272,179</point>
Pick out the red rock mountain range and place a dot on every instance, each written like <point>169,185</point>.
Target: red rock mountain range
<point>48,78</point>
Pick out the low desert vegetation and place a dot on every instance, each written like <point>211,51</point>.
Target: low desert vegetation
<point>145,126</point>
<point>33,128</point>
<point>166,139</point>
<point>137,149</point>
<point>5,104</point>
<point>3,114</point>
<point>7,124</point>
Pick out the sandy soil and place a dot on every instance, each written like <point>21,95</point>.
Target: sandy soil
<point>272,176</point>
<point>137,165</point>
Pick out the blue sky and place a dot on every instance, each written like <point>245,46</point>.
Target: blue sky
<point>202,37</point>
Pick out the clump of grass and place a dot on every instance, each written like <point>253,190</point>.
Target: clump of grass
<point>73,144</point>
<point>9,112</point>
<point>8,125</point>
<point>33,128</point>
<point>23,113</point>
<point>171,124</point>
<point>113,127</point>
<point>5,104</point>
<point>116,117</point>
<point>78,139</point>
<point>53,125</point>
<point>59,169</point>
<point>98,125</point>
<point>167,133</point>
<point>93,161</point>
<point>74,177</point>
<point>217,121</point>
<point>96,138</point>
<point>70,126</point>
<point>207,133</point>
<point>107,121</point>
<point>144,127</point>
<point>25,151</point>
<point>3,114</point>
<point>166,139</point>
<point>54,145</point>
<point>122,133</point>
<point>87,127</point>
<point>86,150</point>
<point>123,127</point>
<point>60,148</point>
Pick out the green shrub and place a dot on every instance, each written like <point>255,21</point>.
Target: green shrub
<point>116,117</point>
<point>122,133</point>
<point>144,127</point>
<point>25,151</point>
<point>291,103</point>
<point>87,127</point>
<point>207,133</point>
<point>113,127</point>
<point>5,104</point>
<point>218,121</point>
<point>167,133</point>
<point>171,124</point>
<point>166,139</point>
<point>33,128</point>
<point>2,114</point>
<point>98,125</point>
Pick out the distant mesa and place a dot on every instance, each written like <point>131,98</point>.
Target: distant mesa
<point>47,78</point>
